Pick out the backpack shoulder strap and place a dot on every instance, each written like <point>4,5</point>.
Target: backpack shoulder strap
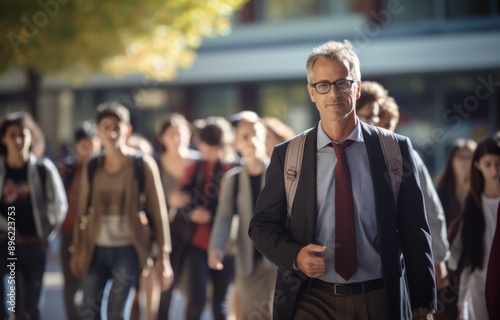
<point>292,167</point>
<point>68,166</point>
<point>235,192</point>
<point>393,159</point>
<point>91,169</point>
<point>139,171</point>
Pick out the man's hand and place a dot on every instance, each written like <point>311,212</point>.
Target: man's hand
<point>422,314</point>
<point>215,260</point>
<point>311,260</point>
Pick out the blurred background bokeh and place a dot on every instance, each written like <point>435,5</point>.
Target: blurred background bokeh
<point>440,60</point>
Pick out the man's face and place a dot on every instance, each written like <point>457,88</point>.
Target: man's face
<point>333,106</point>
<point>112,131</point>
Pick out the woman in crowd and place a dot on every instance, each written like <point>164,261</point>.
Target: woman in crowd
<point>175,155</point>
<point>33,205</point>
<point>454,181</point>
<point>471,250</point>
<point>192,224</point>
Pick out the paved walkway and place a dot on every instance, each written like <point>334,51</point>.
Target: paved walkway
<point>53,300</point>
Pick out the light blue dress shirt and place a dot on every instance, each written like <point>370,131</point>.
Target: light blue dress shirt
<point>367,245</point>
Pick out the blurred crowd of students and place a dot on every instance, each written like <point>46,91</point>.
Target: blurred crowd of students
<point>128,215</point>
<point>136,223</point>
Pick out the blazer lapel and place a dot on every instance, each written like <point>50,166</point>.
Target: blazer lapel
<point>384,200</point>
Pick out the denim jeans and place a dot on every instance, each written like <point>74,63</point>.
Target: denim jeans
<point>110,284</point>
<point>22,278</point>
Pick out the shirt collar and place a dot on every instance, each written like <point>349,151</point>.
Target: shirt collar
<point>323,140</point>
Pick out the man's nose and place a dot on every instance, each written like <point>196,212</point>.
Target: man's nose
<point>334,93</point>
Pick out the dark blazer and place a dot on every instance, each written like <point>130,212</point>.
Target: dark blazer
<point>404,235</point>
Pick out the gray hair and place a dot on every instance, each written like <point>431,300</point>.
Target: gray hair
<point>338,51</point>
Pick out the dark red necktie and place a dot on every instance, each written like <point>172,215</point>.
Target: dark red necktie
<point>346,262</point>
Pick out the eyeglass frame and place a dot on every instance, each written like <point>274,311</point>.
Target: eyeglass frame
<point>334,83</point>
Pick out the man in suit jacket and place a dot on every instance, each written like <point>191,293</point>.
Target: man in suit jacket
<point>394,277</point>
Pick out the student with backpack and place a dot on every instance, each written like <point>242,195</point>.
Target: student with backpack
<point>122,207</point>
<point>32,207</point>
<point>345,249</point>
<point>70,168</point>
<point>192,224</point>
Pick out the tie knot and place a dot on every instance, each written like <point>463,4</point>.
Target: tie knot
<point>339,148</point>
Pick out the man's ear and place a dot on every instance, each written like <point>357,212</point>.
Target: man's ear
<point>358,89</point>
<point>311,93</point>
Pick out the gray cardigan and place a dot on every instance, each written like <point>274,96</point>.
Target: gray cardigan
<point>223,222</point>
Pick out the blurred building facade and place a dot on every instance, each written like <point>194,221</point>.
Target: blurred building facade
<point>439,59</point>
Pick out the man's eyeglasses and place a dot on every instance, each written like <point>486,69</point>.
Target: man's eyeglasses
<point>323,87</point>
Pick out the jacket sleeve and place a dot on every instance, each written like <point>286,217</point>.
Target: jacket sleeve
<point>224,216</point>
<point>435,213</point>
<point>57,203</point>
<point>156,204</point>
<point>414,235</point>
<point>81,206</point>
<point>268,228</point>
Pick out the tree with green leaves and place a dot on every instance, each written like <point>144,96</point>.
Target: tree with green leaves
<point>80,37</point>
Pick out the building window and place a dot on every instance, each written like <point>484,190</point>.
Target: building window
<point>412,11</point>
<point>467,8</point>
<point>288,102</point>
<point>220,100</point>
<point>286,9</point>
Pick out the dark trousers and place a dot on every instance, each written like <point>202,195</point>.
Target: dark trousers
<point>196,265</point>
<point>165,299</point>
<point>71,283</point>
<point>22,280</point>
<point>166,296</point>
<point>314,304</point>
<point>109,286</point>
